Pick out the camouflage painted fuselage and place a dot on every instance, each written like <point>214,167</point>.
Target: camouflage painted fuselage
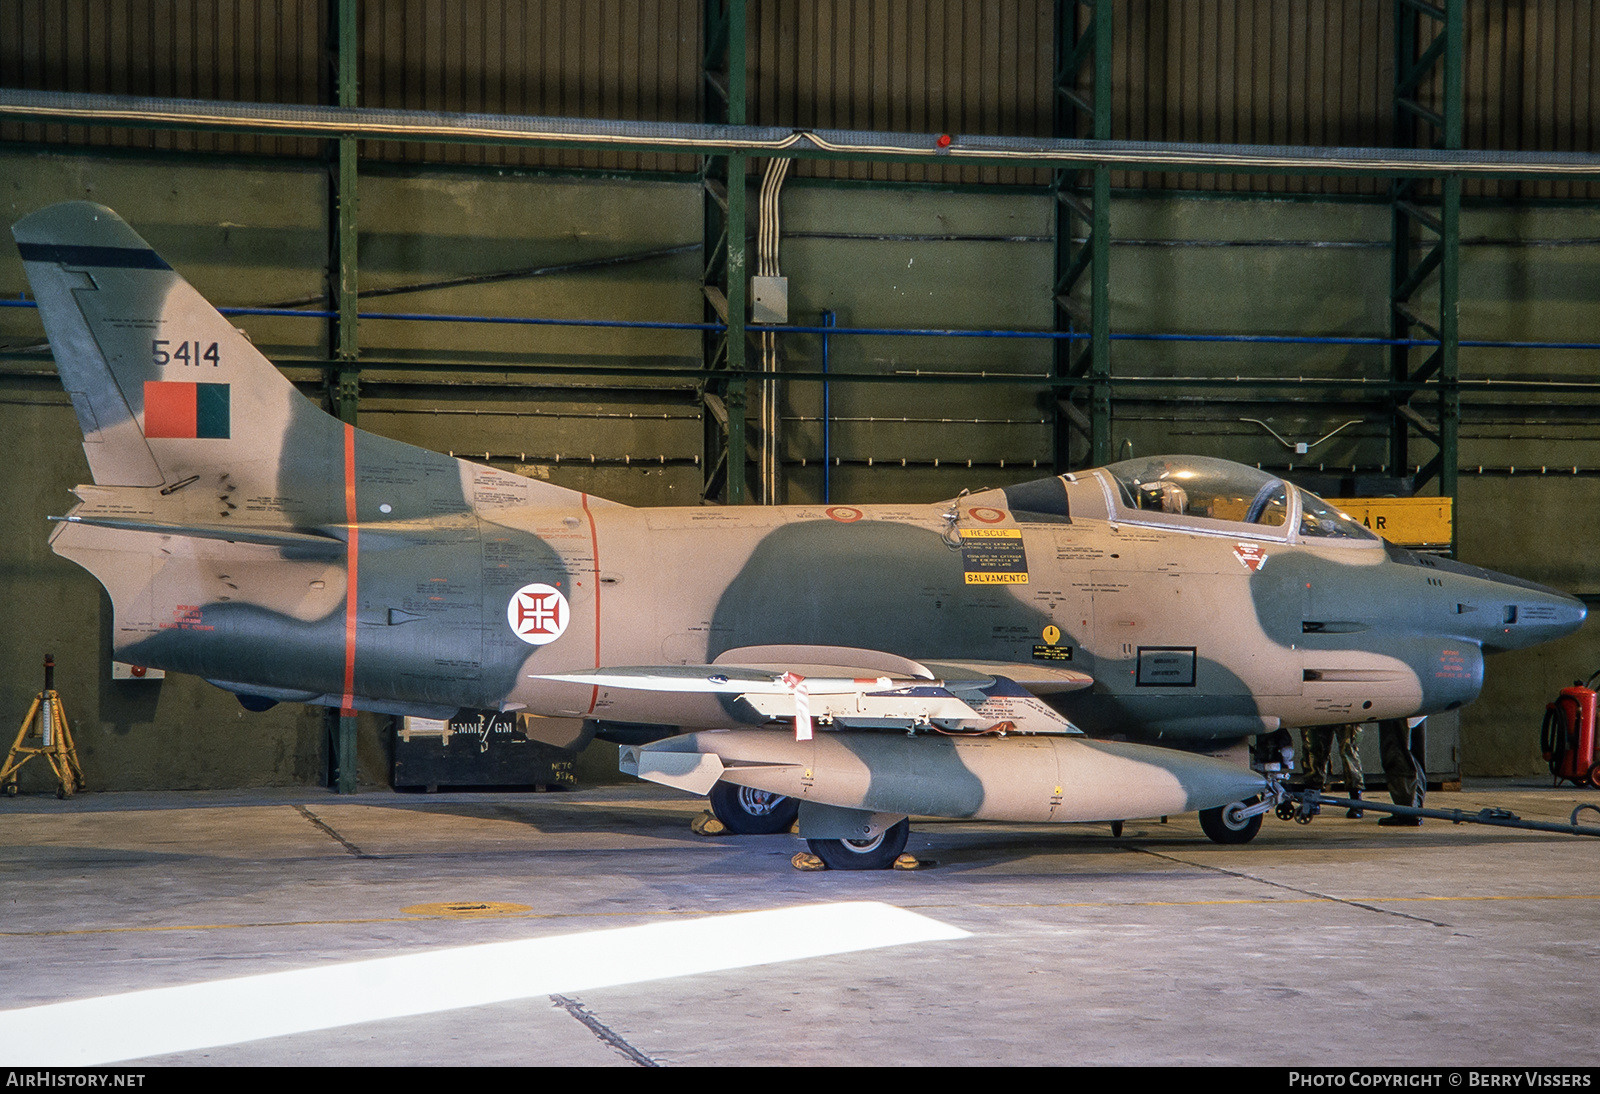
<point>1184,639</point>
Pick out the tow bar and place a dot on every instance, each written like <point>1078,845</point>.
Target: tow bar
<point>1302,805</point>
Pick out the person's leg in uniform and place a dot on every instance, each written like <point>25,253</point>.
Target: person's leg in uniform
<point>1408,784</point>
<point>1350,755</point>
<point>1317,756</point>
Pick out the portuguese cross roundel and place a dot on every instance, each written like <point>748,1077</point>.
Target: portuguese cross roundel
<point>537,614</point>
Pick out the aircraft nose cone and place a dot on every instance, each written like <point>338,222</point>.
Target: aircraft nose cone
<point>1504,612</point>
<point>1530,614</point>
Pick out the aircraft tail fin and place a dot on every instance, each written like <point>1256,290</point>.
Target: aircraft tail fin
<point>163,385</point>
<point>170,394</point>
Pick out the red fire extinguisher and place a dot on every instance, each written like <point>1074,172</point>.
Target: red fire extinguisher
<point>1567,738</point>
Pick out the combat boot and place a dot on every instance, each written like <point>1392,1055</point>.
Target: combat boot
<point>1355,812</point>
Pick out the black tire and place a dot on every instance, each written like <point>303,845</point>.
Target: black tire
<point>876,854</point>
<point>1220,829</point>
<point>747,812</point>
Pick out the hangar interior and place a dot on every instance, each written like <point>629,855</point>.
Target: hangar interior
<point>1429,333</point>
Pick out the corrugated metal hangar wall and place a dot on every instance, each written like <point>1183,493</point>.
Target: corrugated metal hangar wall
<point>1113,257</point>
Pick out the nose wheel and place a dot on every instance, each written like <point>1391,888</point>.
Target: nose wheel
<point>1234,823</point>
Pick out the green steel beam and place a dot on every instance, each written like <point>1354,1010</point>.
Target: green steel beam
<point>344,377</point>
<point>1440,264</point>
<point>1450,265</point>
<point>735,356</point>
<point>726,278</point>
<point>345,383</point>
<point>1083,37</point>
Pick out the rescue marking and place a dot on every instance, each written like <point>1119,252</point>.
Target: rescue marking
<point>844,514</point>
<point>1252,555</point>
<point>538,614</point>
<point>993,556</point>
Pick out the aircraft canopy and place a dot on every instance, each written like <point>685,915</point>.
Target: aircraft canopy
<point>1211,489</point>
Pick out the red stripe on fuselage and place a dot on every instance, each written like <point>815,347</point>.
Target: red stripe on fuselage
<point>352,556</point>
<point>594,551</point>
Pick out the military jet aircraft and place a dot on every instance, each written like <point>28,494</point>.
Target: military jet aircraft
<point>871,662</point>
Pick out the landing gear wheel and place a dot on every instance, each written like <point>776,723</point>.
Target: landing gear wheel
<point>747,812</point>
<point>1594,776</point>
<point>11,790</point>
<point>870,854</point>
<point>1224,825</point>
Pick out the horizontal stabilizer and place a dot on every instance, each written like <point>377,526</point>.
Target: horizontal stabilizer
<point>268,537</point>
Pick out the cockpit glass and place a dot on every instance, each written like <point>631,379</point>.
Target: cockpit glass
<point>1196,486</point>
<point>1318,518</point>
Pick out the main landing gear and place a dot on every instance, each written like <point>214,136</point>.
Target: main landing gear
<point>748,812</point>
<point>877,853</point>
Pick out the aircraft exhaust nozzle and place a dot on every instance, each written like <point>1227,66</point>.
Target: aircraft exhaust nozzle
<point>979,778</point>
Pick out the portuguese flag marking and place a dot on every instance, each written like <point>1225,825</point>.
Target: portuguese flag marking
<point>173,409</point>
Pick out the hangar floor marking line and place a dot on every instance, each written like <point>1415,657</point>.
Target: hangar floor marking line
<point>1293,888</point>
<point>327,830</point>
<point>678,913</point>
<point>603,1033</point>
<point>158,1021</point>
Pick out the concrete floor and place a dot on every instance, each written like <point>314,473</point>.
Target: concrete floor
<point>1338,943</point>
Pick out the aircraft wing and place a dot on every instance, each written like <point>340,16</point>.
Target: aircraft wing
<point>1040,679</point>
<point>1036,678</point>
<point>821,684</point>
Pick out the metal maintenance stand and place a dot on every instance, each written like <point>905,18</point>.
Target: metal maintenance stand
<point>46,723</point>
